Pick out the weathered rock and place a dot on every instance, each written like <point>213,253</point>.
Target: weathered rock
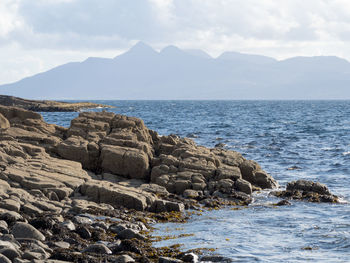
<point>124,259</point>
<point>243,186</point>
<point>24,230</point>
<point>83,232</point>
<point>307,190</point>
<point>129,233</point>
<point>97,249</point>
<point>10,204</point>
<point>214,258</point>
<point>169,260</point>
<point>69,225</point>
<point>4,123</point>
<point>10,253</point>
<point>4,259</point>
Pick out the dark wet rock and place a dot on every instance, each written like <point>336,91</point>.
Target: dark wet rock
<point>190,257</point>
<point>129,234</point>
<point>283,202</point>
<point>97,249</point>
<point>4,259</point>
<point>214,258</point>
<point>124,259</point>
<point>10,253</point>
<point>307,190</point>
<point>3,227</point>
<point>24,230</point>
<point>83,232</point>
<point>10,216</point>
<point>169,260</point>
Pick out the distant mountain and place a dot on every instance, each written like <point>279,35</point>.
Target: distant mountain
<point>172,73</point>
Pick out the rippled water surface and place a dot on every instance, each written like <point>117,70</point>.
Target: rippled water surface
<point>312,135</point>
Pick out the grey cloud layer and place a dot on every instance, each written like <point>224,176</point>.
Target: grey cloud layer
<point>107,23</point>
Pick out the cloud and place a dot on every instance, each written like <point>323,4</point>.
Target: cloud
<point>269,27</point>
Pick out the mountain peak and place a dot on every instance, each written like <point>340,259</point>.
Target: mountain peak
<point>140,49</point>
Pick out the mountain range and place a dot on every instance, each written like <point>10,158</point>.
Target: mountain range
<point>172,73</point>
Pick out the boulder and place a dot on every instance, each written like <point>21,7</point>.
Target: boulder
<point>24,230</point>
<point>128,162</point>
<point>97,249</point>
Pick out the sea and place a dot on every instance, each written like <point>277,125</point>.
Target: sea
<point>291,140</point>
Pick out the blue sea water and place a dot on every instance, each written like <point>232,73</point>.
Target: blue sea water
<point>311,135</point>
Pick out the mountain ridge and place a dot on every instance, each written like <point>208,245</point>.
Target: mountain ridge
<point>173,73</point>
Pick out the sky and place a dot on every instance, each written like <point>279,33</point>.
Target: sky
<point>38,35</point>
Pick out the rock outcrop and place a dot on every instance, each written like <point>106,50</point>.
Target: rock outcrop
<point>47,105</point>
<point>55,183</point>
<point>309,191</point>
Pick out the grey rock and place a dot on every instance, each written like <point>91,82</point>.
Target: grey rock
<point>129,234</point>
<point>10,253</point>
<point>97,249</point>
<point>169,260</point>
<point>3,227</point>
<point>24,230</point>
<point>243,186</point>
<point>83,232</point>
<point>10,216</point>
<point>82,220</point>
<point>61,244</point>
<point>214,258</point>
<point>124,259</point>
<point>69,225</point>
<point>10,205</point>
<point>4,259</point>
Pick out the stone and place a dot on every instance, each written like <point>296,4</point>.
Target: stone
<point>190,257</point>
<point>82,220</point>
<point>10,205</point>
<point>214,258</point>
<point>124,259</point>
<point>169,260</point>
<point>62,244</point>
<point>10,216</point>
<point>4,259</point>
<point>10,253</point>
<point>97,249</point>
<point>68,224</point>
<point>243,186</point>
<point>3,227</point>
<point>128,162</point>
<point>4,123</point>
<point>129,234</point>
<point>189,193</point>
<point>24,230</point>
<point>83,232</point>
<point>30,209</point>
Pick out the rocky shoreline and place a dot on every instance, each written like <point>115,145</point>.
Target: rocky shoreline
<point>91,192</point>
<point>48,105</point>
